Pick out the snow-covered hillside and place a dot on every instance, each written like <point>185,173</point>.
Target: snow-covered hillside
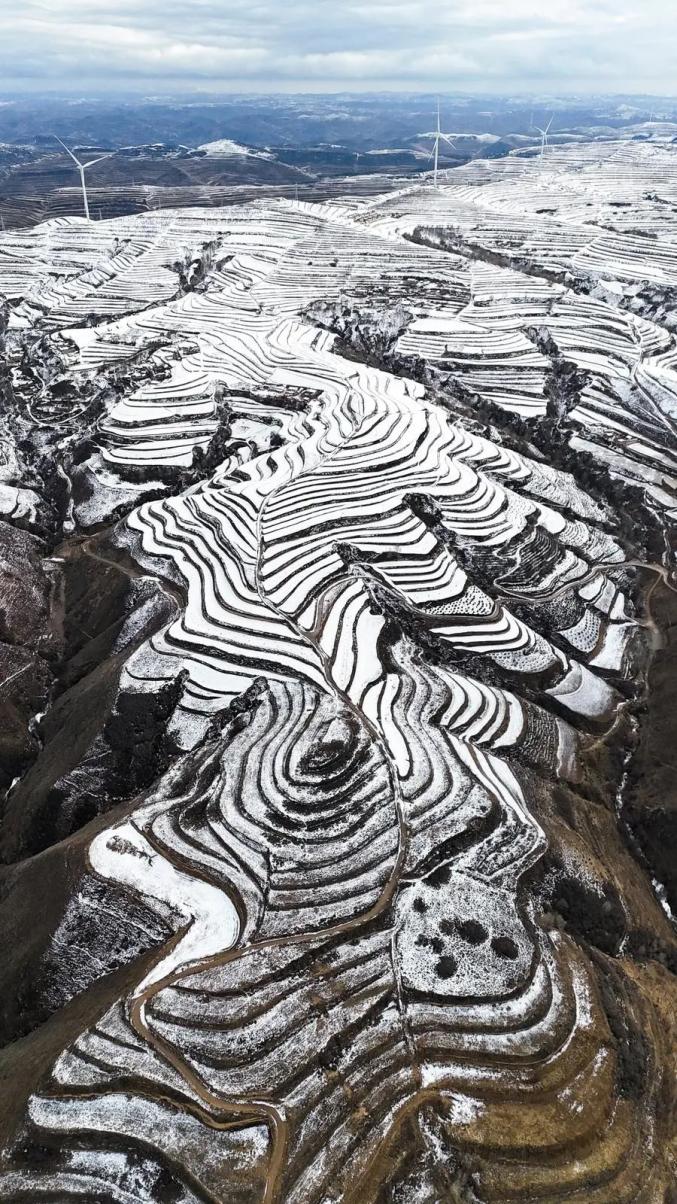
<point>404,470</point>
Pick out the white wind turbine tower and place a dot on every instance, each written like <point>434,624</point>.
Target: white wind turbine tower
<point>82,167</point>
<point>436,149</point>
<point>544,137</point>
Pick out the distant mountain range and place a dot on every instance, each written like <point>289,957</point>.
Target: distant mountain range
<point>360,122</point>
<point>178,152</point>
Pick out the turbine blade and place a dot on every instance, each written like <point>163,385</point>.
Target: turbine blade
<point>67,150</point>
<point>99,160</point>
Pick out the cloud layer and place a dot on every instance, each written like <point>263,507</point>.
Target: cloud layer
<point>282,45</point>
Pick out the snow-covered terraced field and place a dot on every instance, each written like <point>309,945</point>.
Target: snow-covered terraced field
<point>403,625</point>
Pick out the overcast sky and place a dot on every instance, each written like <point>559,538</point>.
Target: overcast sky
<point>351,45</point>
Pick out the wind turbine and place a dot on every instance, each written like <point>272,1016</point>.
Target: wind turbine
<point>82,167</point>
<point>436,149</point>
<point>544,137</point>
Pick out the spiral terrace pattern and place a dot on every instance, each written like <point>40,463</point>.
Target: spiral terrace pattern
<point>399,633</point>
